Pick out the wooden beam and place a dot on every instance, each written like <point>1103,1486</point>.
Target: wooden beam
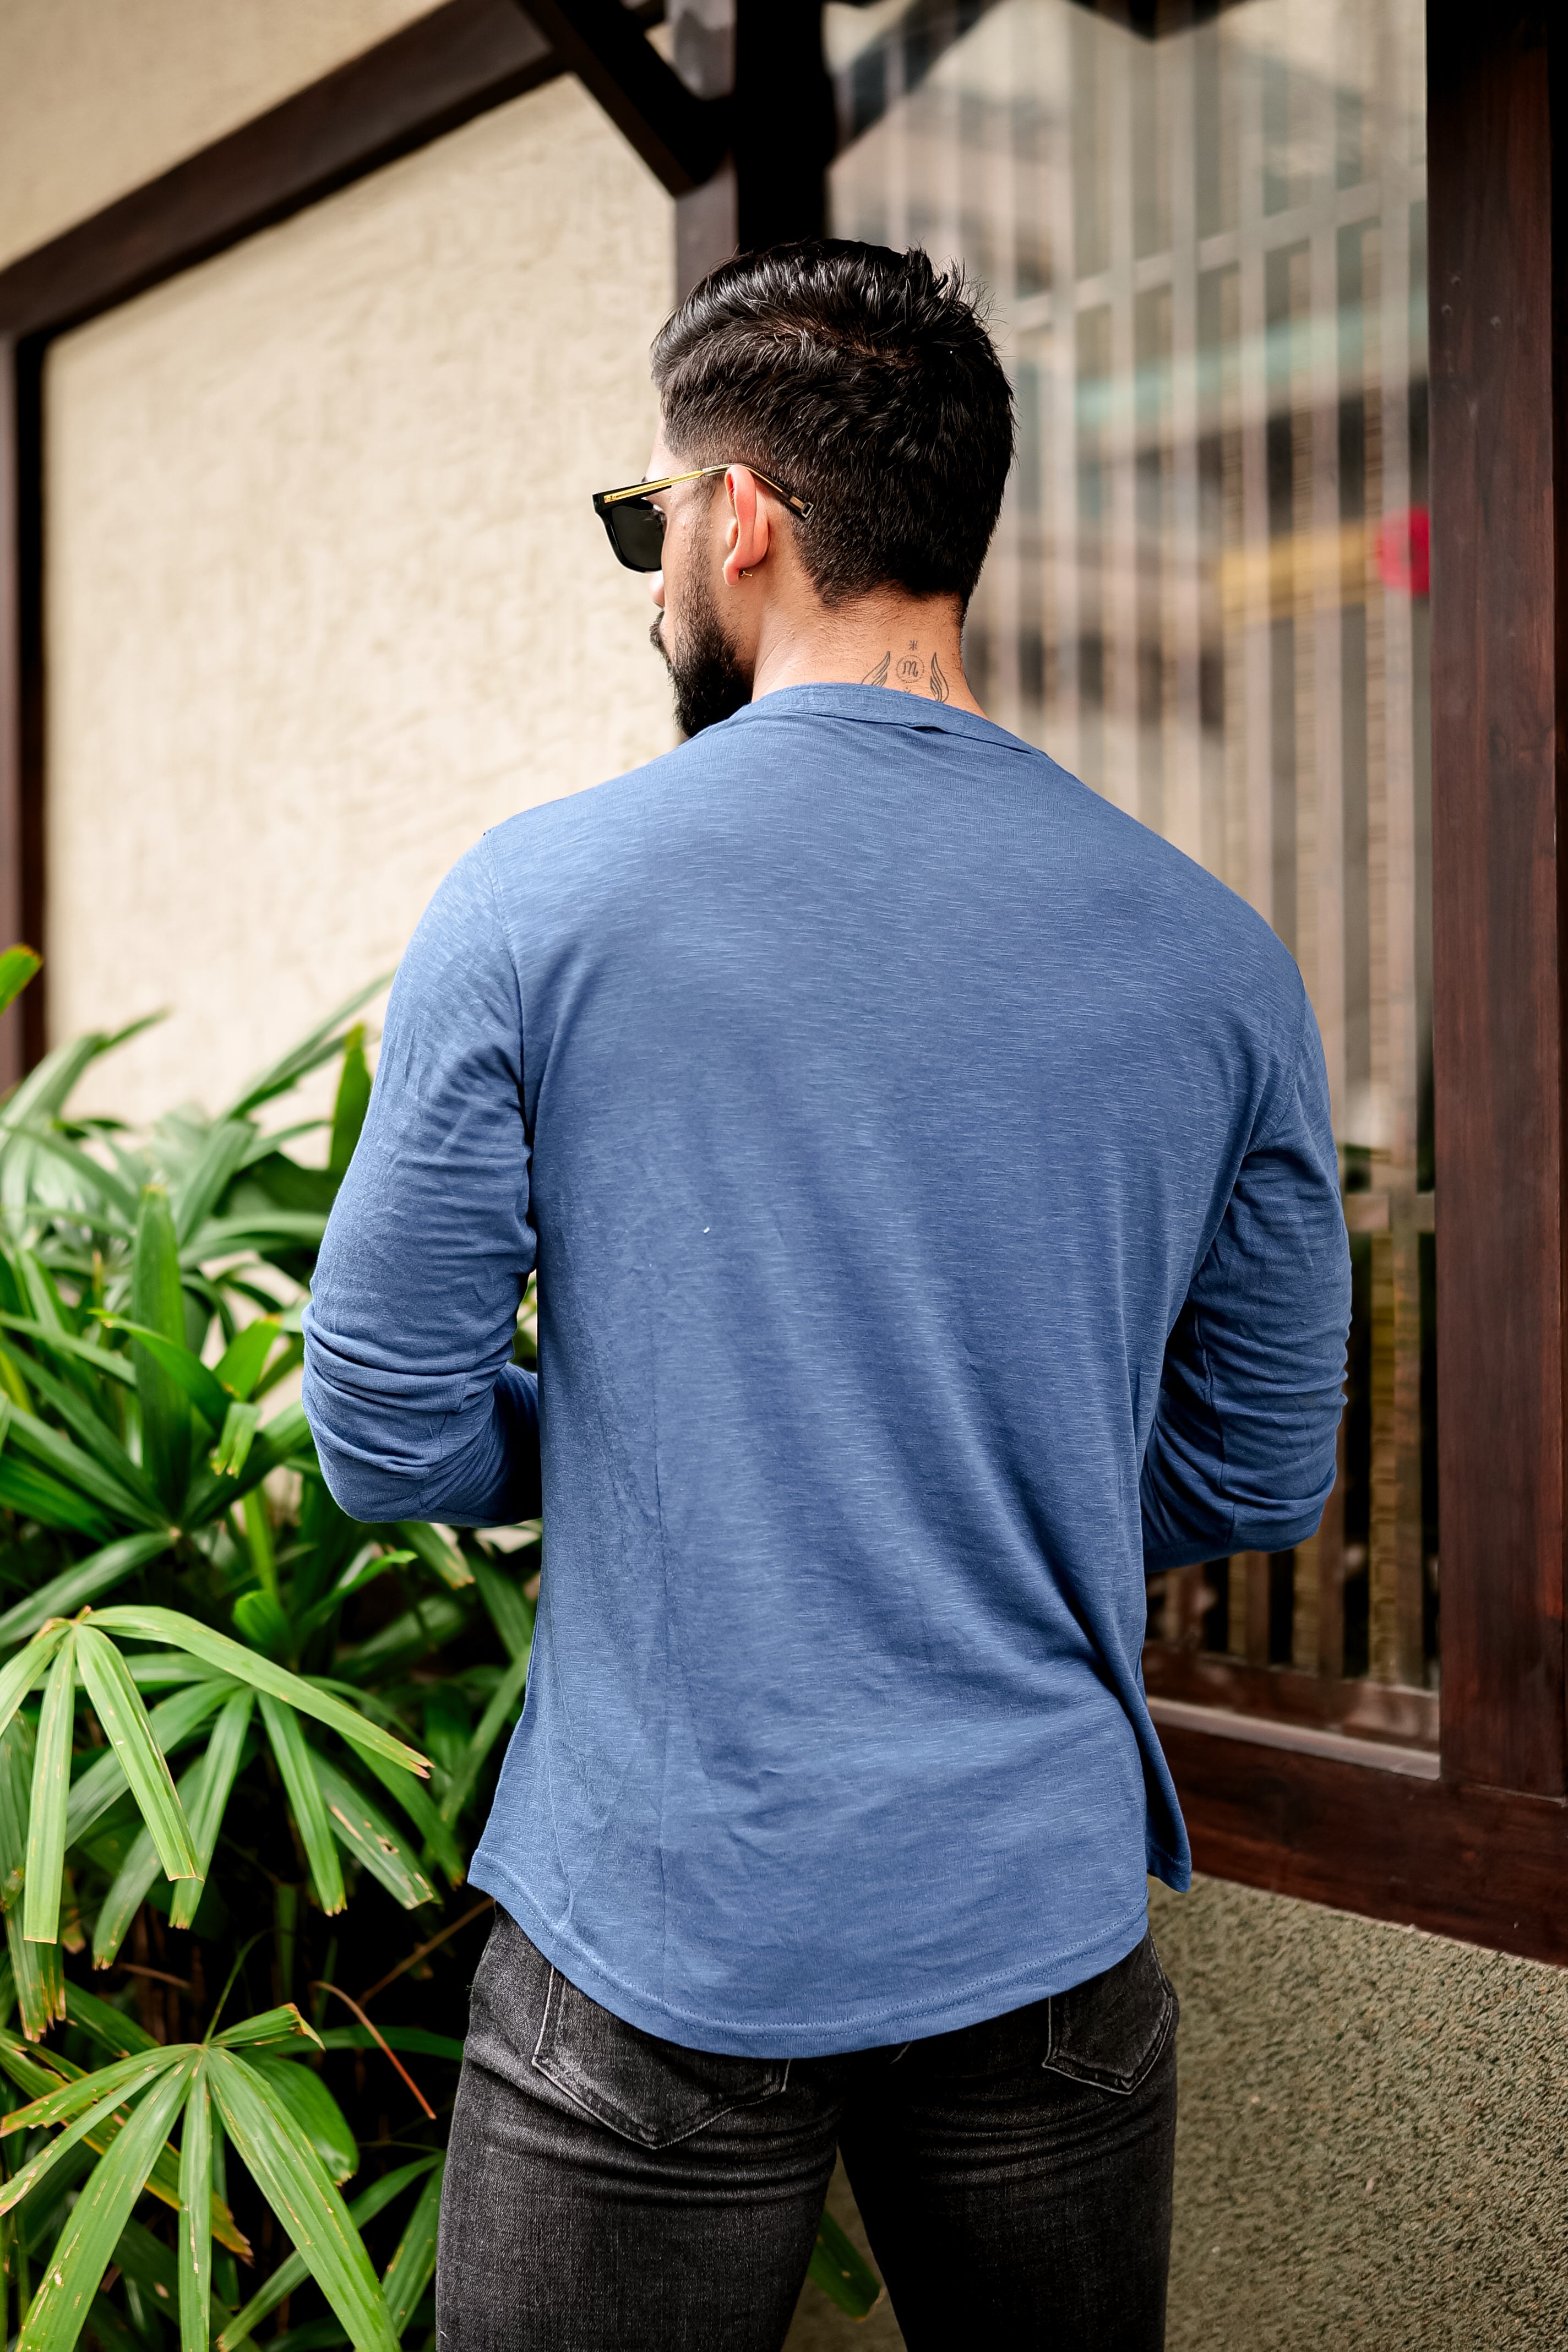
<point>682,138</point>
<point>437,73</point>
<point>1497,715</point>
<point>1356,1706</point>
<point>1487,1866</point>
<point>771,186</point>
<point>784,123</point>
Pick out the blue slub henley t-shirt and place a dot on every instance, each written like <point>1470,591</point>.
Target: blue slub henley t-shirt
<point>930,1179</point>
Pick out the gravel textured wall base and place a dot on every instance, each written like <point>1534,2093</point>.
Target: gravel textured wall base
<point>1374,2134</point>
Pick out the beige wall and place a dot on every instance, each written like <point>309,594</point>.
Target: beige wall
<point>326,595</point>
<point>97,96</point>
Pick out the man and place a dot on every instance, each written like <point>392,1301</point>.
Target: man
<point>929,1179</point>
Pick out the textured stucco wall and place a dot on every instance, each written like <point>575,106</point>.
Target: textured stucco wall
<point>1373,2139</point>
<point>97,96</point>
<point>326,595</point>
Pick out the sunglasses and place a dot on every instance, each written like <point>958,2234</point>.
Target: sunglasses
<point>635,526</point>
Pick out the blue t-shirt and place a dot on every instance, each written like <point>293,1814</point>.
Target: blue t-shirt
<point>930,1179</point>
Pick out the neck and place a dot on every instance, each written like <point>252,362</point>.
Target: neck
<point>908,644</point>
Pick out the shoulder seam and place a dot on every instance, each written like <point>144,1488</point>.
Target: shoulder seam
<point>1262,1142</point>
<point>482,845</point>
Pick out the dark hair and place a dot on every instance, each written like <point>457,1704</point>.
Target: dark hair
<point>863,379</point>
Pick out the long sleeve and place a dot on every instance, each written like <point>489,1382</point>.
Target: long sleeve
<point>417,1409</point>
<point>1241,1458</point>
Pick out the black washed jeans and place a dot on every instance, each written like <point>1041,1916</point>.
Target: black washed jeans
<point>609,2192</point>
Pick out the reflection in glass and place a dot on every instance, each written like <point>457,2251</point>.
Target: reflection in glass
<point>1207,598</point>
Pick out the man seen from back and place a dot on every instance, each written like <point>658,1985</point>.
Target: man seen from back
<point>929,1177</point>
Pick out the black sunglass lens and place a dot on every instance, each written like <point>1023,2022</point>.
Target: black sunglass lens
<point>638,530</point>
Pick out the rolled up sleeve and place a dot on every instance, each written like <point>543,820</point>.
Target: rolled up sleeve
<point>1242,1453</point>
<point>417,1409</point>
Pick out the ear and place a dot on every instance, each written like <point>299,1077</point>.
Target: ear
<point>748,535</point>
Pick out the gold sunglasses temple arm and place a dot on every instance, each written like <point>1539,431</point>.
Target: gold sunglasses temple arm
<point>604,498</point>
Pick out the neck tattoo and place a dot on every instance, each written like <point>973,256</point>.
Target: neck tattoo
<point>909,671</point>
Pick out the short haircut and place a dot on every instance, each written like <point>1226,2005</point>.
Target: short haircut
<point>866,381</point>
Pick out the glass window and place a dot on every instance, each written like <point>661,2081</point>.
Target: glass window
<point>1207,598</point>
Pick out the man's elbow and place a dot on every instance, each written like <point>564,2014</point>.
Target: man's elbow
<point>484,1475</point>
<point>366,1488</point>
<point>365,1479</point>
<point>1280,1527</point>
<point>1196,1507</point>
<point>1283,1514</point>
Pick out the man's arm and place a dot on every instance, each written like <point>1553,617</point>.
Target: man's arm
<point>1241,1458</point>
<point>417,1409</point>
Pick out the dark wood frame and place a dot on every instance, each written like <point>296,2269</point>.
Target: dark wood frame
<point>1472,1843</point>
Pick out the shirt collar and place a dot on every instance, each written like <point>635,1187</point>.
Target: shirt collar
<point>876,706</point>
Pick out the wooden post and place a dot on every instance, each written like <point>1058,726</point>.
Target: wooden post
<point>1496,582</point>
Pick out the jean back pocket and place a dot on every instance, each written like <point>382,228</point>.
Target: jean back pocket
<point>1112,2030</point>
<point>655,2093</point>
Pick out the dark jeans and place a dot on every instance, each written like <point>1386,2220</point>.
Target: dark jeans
<point>610,2192</point>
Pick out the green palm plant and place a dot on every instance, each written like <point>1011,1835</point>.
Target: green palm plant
<point>229,1716</point>
<point>186,2082</point>
<point>189,1624</point>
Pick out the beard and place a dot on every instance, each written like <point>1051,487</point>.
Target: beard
<point>710,681</point>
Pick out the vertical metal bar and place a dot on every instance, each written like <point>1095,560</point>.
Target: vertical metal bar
<point>984,193</point>
<point>1184,811</point>
<point>1394,1530</point>
<point>1058,468</point>
<point>1319,1639</point>
<point>1399,753</point>
<point>1235,554</point>
<point>1383,1535</point>
<point>1257,649</point>
<point>1396,1513</point>
<point>1303,682</point>
<point>1118,535</point>
<point>1328,735</point>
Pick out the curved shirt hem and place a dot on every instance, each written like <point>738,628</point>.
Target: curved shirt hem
<point>866,2027</point>
<point>1172,1870</point>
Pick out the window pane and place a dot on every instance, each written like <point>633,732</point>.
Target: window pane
<point>1207,598</point>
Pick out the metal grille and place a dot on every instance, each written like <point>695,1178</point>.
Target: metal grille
<point>1207,598</point>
